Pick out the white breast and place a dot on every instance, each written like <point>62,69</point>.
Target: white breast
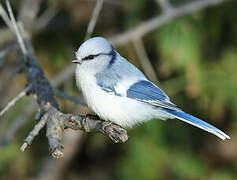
<point>120,110</point>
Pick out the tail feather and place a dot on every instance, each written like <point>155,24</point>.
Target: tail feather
<point>198,123</point>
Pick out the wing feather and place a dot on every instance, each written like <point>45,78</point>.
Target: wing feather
<point>147,92</point>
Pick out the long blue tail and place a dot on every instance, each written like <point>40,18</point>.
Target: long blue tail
<point>198,123</point>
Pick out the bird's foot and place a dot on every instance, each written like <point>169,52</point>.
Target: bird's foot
<point>115,132</point>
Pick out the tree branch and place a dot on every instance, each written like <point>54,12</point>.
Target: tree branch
<point>55,120</point>
<point>71,98</point>
<point>164,18</point>
<point>16,29</point>
<point>144,28</point>
<point>58,121</point>
<point>15,99</point>
<point>94,18</point>
<point>5,52</point>
<point>45,18</point>
<point>144,60</point>
<point>165,5</point>
<point>5,17</point>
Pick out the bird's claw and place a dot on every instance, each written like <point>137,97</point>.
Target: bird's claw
<point>115,132</point>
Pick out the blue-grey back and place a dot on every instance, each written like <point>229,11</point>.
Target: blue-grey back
<point>117,69</point>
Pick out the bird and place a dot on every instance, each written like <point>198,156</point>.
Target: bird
<point>119,92</point>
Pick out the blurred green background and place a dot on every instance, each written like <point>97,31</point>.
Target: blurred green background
<point>195,60</point>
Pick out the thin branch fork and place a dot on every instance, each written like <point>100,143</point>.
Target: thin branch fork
<point>159,20</point>
<point>54,120</point>
<point>46,96</point>
<point>145,28</point>
<point>16,29</point>
<point>14,100</point>
<point>58,121</point>
<point>71,98</point>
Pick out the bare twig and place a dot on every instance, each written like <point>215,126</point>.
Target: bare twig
<point>69,70</point>
<point>5,18</point>
<point>157,21</point>
<point>59,121</point>
<point>28,12</point>
<point>64,75</point>
<point>142,29</point>
<point>33,133</point>
<point>93,20</point>
<point>165,5</point>
<point>71,98</point>
<point>9,134</point>
<point>5,52</point>
<point>52,168</point>
<point>18,69</point>
<point>26,15</point>
<point>112,2</point>
<point>27,112</point>
<point>17,32</point>
<point>45,18</point>
<point>55,120</point>
<point>144,60</point>
<point>14,100</point>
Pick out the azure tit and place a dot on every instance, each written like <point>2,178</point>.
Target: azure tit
<point>117,91</point>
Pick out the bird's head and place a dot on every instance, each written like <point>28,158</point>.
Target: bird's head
<point>94,53</point>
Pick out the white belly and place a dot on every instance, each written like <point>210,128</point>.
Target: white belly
<point>123,111</point>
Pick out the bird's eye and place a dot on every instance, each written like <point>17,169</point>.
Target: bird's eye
<point>90,57</point>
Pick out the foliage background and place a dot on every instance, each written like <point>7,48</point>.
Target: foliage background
<point>195,60</point>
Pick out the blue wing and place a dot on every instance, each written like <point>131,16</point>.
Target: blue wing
<point>147,92</point>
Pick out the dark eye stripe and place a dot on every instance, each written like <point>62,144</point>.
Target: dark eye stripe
<point>90,57</point>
